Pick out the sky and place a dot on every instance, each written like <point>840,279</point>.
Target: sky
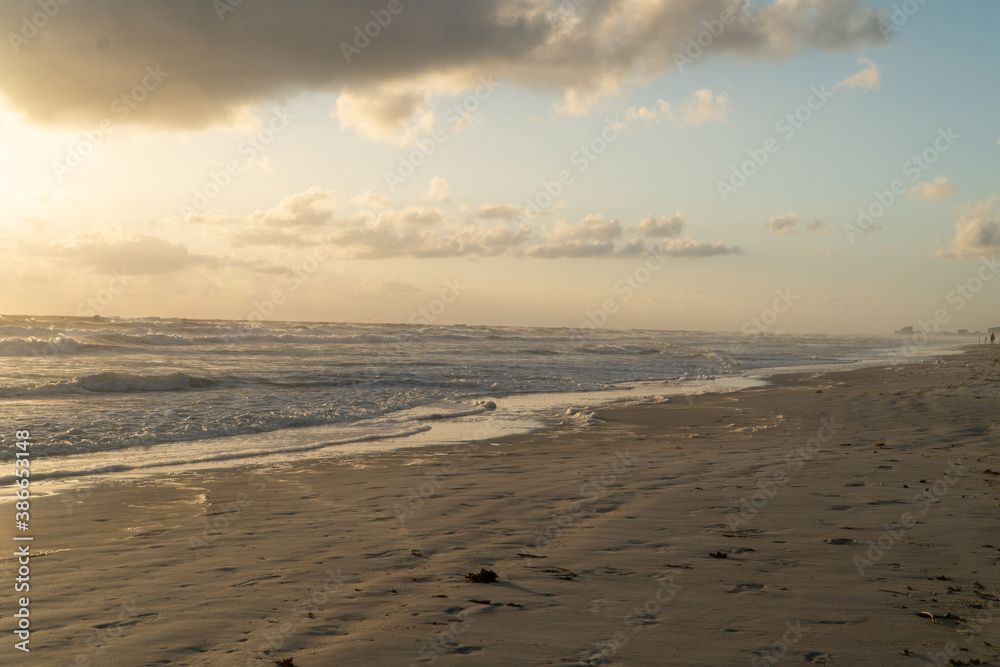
<point>807,166</point>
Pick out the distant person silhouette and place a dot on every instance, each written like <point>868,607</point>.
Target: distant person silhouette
<point>993,337</point>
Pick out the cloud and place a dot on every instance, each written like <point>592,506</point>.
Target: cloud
<point>492,212</point>
<point>870,78</point>
<point>662,227</point>
<point>787,224</point>
<point>105,250</point>
<point>382,238</point>
<point>704,107</point>
<point>977,231</point>
<point>369,199</point>
<point>783,225</point>
<point>309,219</point>
<point>590,237</point>
<point>394,117</point>
<point>293,221</point>
<point>818,227</point>
<point>594,237</point>
<point>420,216</point>
<point>941,188</point>
<point>691,249</point>
<point>650,114</point>
<point>305,210</point>
<point>220,63</point>
<point>383,288</point>
<point>591,228</point>
<point>439,190</point>
<point>572,249</point>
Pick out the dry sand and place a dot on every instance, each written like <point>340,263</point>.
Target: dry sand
<point>842,542</point>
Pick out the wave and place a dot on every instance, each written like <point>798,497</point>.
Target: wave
<point>619,349</point>
<point>40,347</point>
<point>252,453</point>
<point>115,382</point>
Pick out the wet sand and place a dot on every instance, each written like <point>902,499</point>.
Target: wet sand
<point>838,518</point>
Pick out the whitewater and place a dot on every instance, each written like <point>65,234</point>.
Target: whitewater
<point>105,394</point>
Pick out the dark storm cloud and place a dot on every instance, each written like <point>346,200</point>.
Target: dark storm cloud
<point>70,63</point>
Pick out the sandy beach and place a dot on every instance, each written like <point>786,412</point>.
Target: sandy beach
<point>843,518</point>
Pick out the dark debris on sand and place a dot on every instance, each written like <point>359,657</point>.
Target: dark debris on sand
<point>482,577</point>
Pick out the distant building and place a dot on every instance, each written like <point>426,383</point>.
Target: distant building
<point>963,332</point>
<point>905,330</point>
<point>995,330</point>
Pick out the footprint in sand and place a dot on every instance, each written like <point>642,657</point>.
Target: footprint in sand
<point>141,618</point>
<point>256,580</point>
<point>599,605</point>
<point>841,540</point>
<point>747,588</point>
<point>818,658</point>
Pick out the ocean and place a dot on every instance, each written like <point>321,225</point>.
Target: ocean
<point>114,394</point>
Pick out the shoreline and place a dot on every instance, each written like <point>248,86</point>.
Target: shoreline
<point>361,559</point>
<point>413,428</point>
